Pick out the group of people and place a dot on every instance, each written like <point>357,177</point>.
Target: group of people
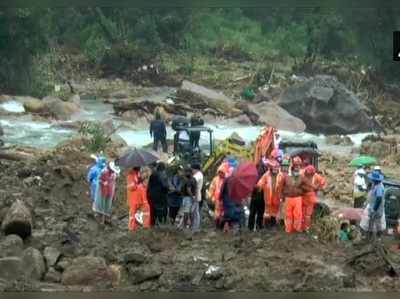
<point>165,199</point>
<point>102,177</point>
<point>286,189</point>
<point>185,140</point>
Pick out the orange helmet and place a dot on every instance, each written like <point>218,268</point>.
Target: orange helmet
<point>297,161</point>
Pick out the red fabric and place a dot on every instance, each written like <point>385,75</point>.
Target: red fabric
<point>107,183</point>
<point>243,181</point>
<point>310,170</point>
<point>351,214</point>
<point>294,214</point>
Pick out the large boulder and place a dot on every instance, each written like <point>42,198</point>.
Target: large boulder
<point>119,94</point>
<point>59,109</point>
<point>76,99</point>
<point>34,106</point>
<point>52,276</point>
<point>326,106</point>
<point>200,97</point>
<point>86,271</point>
<point>11,268</point>
<point>18,220</point>
<point>12,245</point>
<point>269,113</point>
<point>33,262</point>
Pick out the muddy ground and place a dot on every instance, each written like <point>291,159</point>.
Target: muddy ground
<point>165,259</point>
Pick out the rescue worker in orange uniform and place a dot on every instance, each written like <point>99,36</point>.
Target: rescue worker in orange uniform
<point>292,188</point>
<point>271,184</point>
<point>214,193</point>
<point>313,182</point>
<point>137,198</point>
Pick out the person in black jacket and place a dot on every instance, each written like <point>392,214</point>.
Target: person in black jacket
<point>159,133</point>
<point>257,205</point>
<point>195,121</point>
<point>157,189</point>
<point>175,195</point>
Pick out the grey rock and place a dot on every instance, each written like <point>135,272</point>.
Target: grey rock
<point>51,256</point>
<point>18,220</point>
<point>34,266</point>
<point>53,276</point>
<point>139,275</point>
<point>197,278</point>
<point>134,257</point>
<point>76,99</point>
<point>86,270</point>
<point>11,268</point>
<point>63,264</point>
<point>119,94</point>
<point>12,245</point>
<point>326,106</point>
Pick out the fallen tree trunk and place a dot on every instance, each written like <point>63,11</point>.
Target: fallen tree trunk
<point>149,107</point>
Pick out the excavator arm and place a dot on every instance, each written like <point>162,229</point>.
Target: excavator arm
<point>224,149</point>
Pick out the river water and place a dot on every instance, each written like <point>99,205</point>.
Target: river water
<point>21,130</point>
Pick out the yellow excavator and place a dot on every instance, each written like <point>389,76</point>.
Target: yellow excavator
<point>209,159</point>
<point>232,146</point>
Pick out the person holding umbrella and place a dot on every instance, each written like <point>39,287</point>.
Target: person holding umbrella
<point>236,189</point>
<point>133,160</point>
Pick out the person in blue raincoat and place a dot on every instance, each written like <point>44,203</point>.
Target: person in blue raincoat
<point>94,175</point>
<point>373,220</point>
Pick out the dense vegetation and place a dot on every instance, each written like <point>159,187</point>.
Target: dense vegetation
<point>40,46</point>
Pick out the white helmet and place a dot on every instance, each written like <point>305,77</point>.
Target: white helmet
<point>114,167</point>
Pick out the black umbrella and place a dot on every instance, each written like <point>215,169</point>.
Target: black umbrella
<point>137,158</point>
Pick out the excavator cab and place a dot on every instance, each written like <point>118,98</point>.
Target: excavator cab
<point>307,151</point>
<point>183,150</point>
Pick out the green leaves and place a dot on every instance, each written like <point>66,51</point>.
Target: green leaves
<point>98,139</point>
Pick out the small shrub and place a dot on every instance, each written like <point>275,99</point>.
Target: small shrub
<point>98,139</point>
<point>248,93</point>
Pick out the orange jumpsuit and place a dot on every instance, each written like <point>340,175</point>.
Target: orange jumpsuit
<point>294,205</point>
<point>272,194</point>
<point>137,200</point>
<point>214,192</point>
<point>310,198</point>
